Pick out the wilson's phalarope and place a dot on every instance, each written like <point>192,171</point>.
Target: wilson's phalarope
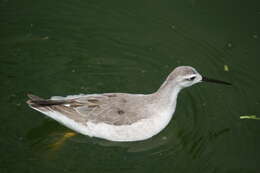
<point>120,116</point>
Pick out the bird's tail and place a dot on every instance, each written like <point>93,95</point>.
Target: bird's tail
<point>60,110</point>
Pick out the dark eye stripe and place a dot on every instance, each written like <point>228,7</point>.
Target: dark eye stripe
<point>191,78</point>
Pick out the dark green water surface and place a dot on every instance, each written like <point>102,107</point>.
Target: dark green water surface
<point>87,46</point>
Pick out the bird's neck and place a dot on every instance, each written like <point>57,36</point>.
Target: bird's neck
<point>168,93</point>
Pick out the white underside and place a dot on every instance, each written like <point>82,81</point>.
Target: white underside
<point>141,130</point>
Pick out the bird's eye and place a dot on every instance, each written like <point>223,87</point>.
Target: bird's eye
<point>191,78</point>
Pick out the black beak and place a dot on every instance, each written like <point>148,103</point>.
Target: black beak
<point>205,79</point>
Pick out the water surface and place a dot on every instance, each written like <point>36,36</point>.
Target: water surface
<point>70,47</point>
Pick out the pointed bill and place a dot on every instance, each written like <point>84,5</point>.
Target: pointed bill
<point>205,79</point>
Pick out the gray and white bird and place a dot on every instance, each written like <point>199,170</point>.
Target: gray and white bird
<point>120,116</point>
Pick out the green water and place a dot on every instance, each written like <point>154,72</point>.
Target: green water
<point>84,46</point>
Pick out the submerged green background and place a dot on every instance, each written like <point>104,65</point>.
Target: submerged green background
<point>87,46</point>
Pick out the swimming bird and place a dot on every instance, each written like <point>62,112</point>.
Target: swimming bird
<point>120,116</point>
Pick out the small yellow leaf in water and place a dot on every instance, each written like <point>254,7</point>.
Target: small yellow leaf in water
<point>250,117</point>
<point>226,68</point>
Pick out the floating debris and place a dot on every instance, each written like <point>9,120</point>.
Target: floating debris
<point>250,117</point>
<point>143,71</point>
<point>226,68</point>
<point>84,88</point>
<point>18,104</point>
<point>45,38</point>
<point>229,45</point>
<point>164,138</point>
<point>255,36</point>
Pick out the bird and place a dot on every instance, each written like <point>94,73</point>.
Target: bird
<point>121,117</point>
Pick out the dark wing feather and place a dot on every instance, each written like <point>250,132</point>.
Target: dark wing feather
<point>35,100</point>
